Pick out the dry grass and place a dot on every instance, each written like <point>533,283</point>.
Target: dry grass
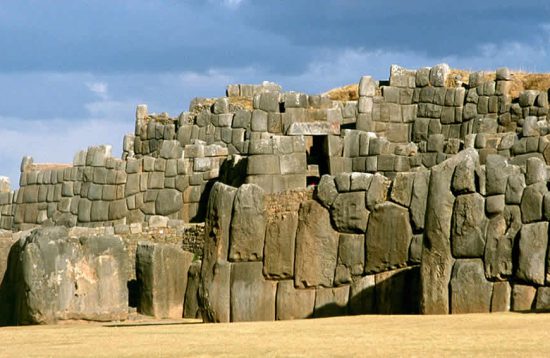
<point>345,93</point>
<point>459,335</point>
<point>245,103</point>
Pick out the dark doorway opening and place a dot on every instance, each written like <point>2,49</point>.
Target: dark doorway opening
<point>317,158</point>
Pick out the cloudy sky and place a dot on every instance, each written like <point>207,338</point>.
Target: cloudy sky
<point>72,71</point>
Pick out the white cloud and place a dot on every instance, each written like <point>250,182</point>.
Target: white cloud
<point>101,89</point>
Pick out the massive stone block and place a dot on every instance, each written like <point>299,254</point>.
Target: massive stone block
<point>294,303</point>
<point>502,295</point>
<point>419,199</point>
<point>316,247</point>
<point>437,260</point>
<point>470,291</point>
<point>388,238</point>
<point>252,297</point>
<point>523,297</point>
<point>351,257</point>
<point>501,234</point>
<point>56,277</point>
<point>168,202</point>
<point>280,242</point>
<point>349,213</point>
<point>161,272</point>
<point>468,226</point>
<point>248,224</point>
<point>533,245</point>
<point>215,271</point>
<point>331,301</point>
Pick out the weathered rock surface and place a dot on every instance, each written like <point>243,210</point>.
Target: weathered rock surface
<point>349,213</point>
<point>316,247</point>
<point>502,295</point>
<point>331,302</point>
<point>280,244</point>
<point>56,277</point>
<point>523,297</point>
<point>351,257</point>
<point>501,234</point>
<point>215,270</point>
<point>468,226</point>
<point>470,291</point>
<point>248,224</point>
<point>388,238</point>
<point>252,297</point>
<point>362,295</point>
<point>533,245</point>
<point>437,260</point>
<point>294,303</point>
<point>161,272</point>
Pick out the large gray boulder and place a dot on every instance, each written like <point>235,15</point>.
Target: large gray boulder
<point>215,270</point>
<point>55,277</point>
<point>349,213</point>
<point>168,201</point>
<point>470,291</point>
<point>316,247</point>
<point>388,238</point>
<point>252,297</point>
<point>161,272</point>
<point>533,246</point>
<point>437,260</point>
<point>280,242</point>
<point>248,224</point>
<point>501,234</point>
<point>294,303</point>
<point>468,226</point>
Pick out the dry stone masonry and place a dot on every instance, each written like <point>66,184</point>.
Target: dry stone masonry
<point>426,193</point>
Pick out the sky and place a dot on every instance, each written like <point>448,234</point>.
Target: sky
<point>73,71</point>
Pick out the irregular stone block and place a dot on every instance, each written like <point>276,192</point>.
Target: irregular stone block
<point>514,189</point>
<point>464,179</point>
<point>497,172</point>
<point>402,188</point>
<point>378,191</point>
<point>161,272</point>
<point>56,277</point>
<point>331,302</point>
<point>191,302</point>
<point>252,297</point>
<point>437,259</point>
<point>263,165</point>
<point>536,171</point>
<point>215,272</point>
<point>248,224</point>
<point>349,213</point>
<point>494,204</point>
<point>388,238</point>
<point>397,291</point>
<point>294,303</point>
<point>502,294</point>
<point>468,226</point>
<point>326,191</point>
<point>501,234</point>
<point>367,86</point>
<point>438,75</point>
<point>533,244</point>
<point>542,301</point>
<point>280,241</point>
<point>523,297</point>
<point>168,202</point>
<point>351,257</point>
<point>532,201</point>
<point>470,291</point>
<point>316,247</point>
<point>362,295</point>
<point>419,199</point>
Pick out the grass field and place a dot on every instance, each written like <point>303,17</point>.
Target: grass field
<point>460,335</point>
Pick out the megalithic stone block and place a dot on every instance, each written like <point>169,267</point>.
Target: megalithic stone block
<point>215,270</point>
<point>161,271</point>
<point>252,297</point>
<point>316,247</point>
<point>248,224</point>
<point>191,302</point>
<point>437,260</point>
<point>293,303</point>
<point>470,291</point>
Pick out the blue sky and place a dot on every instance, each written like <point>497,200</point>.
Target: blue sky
<point>72,71</point>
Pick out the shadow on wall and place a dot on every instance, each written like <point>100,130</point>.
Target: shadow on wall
<point>392,293</point>
<point>8,286</point>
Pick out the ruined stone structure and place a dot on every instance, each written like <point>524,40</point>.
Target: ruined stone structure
<point>426,193</point>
